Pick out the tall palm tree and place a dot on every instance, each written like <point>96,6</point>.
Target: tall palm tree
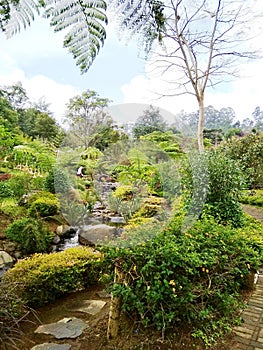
<point>85,21</point>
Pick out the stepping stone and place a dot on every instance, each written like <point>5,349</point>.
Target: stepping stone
<point>51,346</point>
<point>91,307</point>
<point>65,328</point>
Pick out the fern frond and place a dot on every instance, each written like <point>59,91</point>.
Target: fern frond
<point>145,17</point>
<point>21,14</point>
<point>86,21</point>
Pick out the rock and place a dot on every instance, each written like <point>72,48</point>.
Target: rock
<point>62,229</point>
<point>91,307</point>
<point>51,346</point>
<point>5,260</point>
<point>56,239</point>
<point>117,220</point>
<point>65,328</point>
<point>92,235</point>
<point>10,247</point>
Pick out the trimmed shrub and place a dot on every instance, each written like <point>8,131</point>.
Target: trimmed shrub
<point>31,235</point>
<point>46,277</point>
<point>44,207</point>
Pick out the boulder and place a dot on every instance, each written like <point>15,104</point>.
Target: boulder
<point>5,260</point>
<point>92,235</point>
<point>62,230</point>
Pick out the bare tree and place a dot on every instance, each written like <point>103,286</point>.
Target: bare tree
<point>204,41</point>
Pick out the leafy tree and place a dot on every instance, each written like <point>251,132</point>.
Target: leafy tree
<point>88,122</point>
<point>8,116</point>
<point>16,95</point>
<point>247,152</point>
<point>150,121</point>
<point>35,123</point>
<point>258,117</point>
<point>213,118</point>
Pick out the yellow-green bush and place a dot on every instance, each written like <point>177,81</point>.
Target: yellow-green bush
<point>253,198</point>
<point>44,207</point>
<point>45,277</point>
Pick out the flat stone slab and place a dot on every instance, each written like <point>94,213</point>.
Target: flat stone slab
<point>51,346</point>
<point>91,307</point>
<point>65,328</point>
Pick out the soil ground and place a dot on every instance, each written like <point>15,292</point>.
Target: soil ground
<point>132,336</point>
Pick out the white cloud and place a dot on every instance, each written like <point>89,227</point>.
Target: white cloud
<point>37,87</point>
<point>243,94</point>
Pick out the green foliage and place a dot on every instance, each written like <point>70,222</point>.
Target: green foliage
<point>188,277</point>
<point>254,197</point>
<point>167,141</point>
<point>10,207</point>
<point>57,181</point>
<point>46,277</point>
<point>247,152</point>
<point>31,235</point>
<point>44,207</point>
<point>21,183</point>
<point>212,184</point>
<point>151,206</point>
<point>5,189</point>
<point>150,121</point>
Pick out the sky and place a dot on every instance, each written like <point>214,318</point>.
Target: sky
<point>36,58</point>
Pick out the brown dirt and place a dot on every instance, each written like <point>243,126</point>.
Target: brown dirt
<point>256,212</point>
<point>132,335</point>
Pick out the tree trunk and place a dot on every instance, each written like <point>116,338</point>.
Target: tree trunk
<point>115,308</point>
<point>200,133</point>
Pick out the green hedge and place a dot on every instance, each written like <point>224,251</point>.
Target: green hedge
<point>46,277</point>
<point>44,207</point>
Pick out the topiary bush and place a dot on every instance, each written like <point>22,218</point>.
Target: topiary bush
<point>45,277</point>
<point>44,207</point>
<point>31,235</point>
<point>191,277</point>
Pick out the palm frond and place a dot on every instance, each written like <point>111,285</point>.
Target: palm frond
<point>86,21</point>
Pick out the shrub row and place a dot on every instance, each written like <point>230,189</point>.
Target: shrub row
<point>46,277</point>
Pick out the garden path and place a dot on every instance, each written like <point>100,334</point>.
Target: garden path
<point>249,335</point>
